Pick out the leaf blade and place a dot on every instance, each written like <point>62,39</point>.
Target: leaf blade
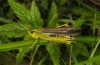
<point>53,15</point>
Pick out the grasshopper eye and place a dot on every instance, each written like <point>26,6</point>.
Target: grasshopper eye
<point>32,31</point>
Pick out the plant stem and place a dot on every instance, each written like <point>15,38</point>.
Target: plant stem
<point>87,38</point>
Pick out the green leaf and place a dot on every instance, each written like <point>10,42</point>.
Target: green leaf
<point>20,11</point>
<point>92,60</point>
<point>32,17</point>
<point>20,56</point>
<point>35,14</point>
<point>53,15</point>
<point>13,30</point>
<point>79,48</point>
<point>95,48</point>
<point>54,53</point>
<point>22,52</point>
<point>42,60</point>
<point>79,22</point>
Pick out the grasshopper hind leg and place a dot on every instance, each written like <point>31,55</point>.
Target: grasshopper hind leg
<point>72,38</point>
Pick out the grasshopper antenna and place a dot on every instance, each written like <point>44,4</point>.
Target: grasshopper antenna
<point>72,22</point>
<point>21,24</point>
<point>70,17</point>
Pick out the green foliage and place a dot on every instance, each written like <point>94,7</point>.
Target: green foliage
<point>54,52</point>
<point>53,15</point>
<point>90,8</point>
<point>15,45</point>
<point>82,47</point>
<point>12,30</point>
<point>21,53</point>
<point>92,60</point>
<point>35,15</point>
<point>63,2</point>
<point>78,22</point>
<point>31,18</point>
<point>5,20</point>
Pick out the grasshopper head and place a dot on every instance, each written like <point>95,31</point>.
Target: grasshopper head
<point>32,32</point>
